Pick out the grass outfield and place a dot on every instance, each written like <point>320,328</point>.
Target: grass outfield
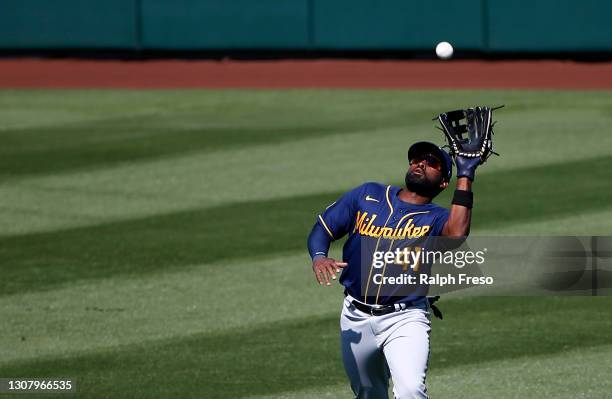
<point>152,242</point>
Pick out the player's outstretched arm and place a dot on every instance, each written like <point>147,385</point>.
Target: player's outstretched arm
<point>469,152</point>
<point>459,220</point>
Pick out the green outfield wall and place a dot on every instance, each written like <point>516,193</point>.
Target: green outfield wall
<point>225,24</point>
<point>549,25</point>
<point>485,25</point>
<point>396,24</point>
<point>60,24</point>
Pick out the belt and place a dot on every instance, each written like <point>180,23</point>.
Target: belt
<point>380,310</point>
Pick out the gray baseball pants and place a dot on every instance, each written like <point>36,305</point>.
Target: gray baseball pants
<point>394,345</point>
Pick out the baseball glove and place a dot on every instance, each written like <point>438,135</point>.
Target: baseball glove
<point>479,129</point>
<point>471,143</point>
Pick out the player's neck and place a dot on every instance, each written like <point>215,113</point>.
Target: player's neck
<point>411,197</point>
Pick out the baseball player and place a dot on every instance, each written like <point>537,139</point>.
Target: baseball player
<point>385,333</point>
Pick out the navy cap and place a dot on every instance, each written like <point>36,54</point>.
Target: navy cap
<point>424,147</point>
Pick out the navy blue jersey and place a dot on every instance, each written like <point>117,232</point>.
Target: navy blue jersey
<point>375,219</point>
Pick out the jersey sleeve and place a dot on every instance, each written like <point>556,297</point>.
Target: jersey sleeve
<point>318,241</point>
<point>337,217</point>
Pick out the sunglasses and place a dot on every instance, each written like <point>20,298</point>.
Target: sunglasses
<point>431,161</point>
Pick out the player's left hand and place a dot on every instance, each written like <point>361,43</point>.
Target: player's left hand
<point>466,167</point>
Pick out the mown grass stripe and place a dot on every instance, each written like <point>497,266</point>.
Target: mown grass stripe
<point>234,364</point>
<point>85,146</point>
<point>172,124</point>
<point>550,376</point>
<point>157,305</point>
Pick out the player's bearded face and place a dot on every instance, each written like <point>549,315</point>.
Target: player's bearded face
<point>424,182</point>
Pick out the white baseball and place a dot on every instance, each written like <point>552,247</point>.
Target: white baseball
<point>444,50</point>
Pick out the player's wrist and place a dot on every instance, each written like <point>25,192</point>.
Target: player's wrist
<point>317,257</point>
<point>463,183</point>
<point>463,198</point>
